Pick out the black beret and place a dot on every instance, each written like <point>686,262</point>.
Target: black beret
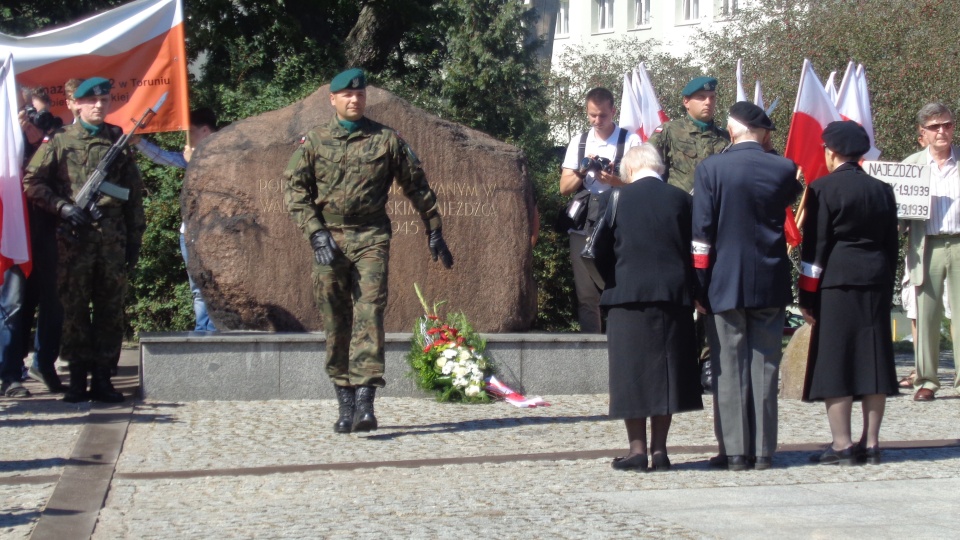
<point>751,115</point>
<point>846,138</point>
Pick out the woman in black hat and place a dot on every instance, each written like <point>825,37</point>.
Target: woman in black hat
<point>849,262</point>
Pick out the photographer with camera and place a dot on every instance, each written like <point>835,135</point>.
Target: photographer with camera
<point>36,120</point>
<point>589,169</point>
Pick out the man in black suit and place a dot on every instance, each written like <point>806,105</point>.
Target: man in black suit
<point>740,253</point>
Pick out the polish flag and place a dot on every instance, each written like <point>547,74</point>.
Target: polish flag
<point>138,46</point>
<point>812,112</point>
<point>629,107</point>
<point>14,231</point>
<point>651,114</point>
<point>831,87</point>
<point>758,97</point>
<point>741,93</point>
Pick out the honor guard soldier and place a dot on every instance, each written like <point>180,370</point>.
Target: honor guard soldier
<point>95,255</point>
<point>336,187</point>
<point>684,143</point>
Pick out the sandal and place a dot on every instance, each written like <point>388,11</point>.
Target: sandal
<point>907,382</point>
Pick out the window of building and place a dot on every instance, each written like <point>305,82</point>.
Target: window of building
<point>604,15</point>
<point>727,8</point>
<point>563,19</point>
<point>690,10</point>
<point>640,13</point>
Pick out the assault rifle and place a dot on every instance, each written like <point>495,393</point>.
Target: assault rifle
<point>97,181</point>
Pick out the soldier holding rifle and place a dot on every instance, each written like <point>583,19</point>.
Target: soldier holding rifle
<point>88,178</point>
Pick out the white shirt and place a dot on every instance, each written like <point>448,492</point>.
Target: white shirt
<point>597,147</point>
<point>944,196</point>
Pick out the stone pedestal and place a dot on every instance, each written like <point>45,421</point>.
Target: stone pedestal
<point>253,265</point>
<point>793,368</point>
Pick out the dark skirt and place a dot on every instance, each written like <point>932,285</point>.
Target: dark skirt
<point>653,360</point>
<point>851,346</point>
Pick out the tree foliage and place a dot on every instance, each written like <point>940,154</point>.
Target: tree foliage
<point>903,46</point>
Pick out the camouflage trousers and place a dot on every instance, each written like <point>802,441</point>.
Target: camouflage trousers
<point>93,283</point>
<point>351,294</point>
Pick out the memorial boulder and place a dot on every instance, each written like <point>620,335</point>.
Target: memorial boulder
<point>253,265</point>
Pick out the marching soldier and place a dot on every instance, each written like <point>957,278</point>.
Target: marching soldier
<point>336,188</point>
<point>95,256</point>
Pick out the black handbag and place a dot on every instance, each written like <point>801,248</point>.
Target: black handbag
<point>599,243</point>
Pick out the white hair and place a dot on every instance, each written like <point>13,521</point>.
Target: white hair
<point>639,158</point>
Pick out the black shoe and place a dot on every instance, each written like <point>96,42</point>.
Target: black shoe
<point>636,462</point>
<point>737,463</point>
<point>847,456</point>
<point>762,463</point>
<point>867,455</point>
<point>49,378</point>
<point>77,391</point>
<point>363,418</point>
<point>101,389</point>
<point>661,462</point>
<point>346,396</point>
<point>718,461</point>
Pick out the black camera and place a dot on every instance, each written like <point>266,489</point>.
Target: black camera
<point>44,120</point>
<point>595,164</point>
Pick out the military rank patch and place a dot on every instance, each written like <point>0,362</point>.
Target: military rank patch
<point>303,139</point>
<point>659,129</point>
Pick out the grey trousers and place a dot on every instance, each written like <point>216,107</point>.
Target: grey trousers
<point>588,293</point>
<point>745,351</point>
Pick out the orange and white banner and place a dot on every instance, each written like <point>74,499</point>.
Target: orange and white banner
<point>138,46</point>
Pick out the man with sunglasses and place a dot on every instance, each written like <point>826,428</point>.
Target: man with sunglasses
<point>933,247</point>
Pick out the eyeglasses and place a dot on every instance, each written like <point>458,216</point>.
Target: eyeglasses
<point>946,126</point>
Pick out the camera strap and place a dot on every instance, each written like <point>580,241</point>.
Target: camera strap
<point>621,142</point>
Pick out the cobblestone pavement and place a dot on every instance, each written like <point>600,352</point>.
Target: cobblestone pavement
<point>276,470</point>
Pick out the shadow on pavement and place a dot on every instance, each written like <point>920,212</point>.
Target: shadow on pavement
<point>480,425</point>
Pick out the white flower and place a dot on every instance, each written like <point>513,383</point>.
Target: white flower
<point>460,371</point>
<point>460,383</point>
<point>472,391</point>
<point>441,361</point>
<point>448,368</point>
<point>450,353</point>
<point>476,377</point>
<point>464,354</point>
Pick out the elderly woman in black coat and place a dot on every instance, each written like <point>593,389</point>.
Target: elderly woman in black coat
<point>848,266</point>
<point>648,299</point>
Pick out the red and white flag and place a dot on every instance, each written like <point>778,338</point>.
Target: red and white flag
<point>831,87</point>
<point>853,103</point>
<point>138,46</point>
<point>629,107</point>
<point>651,114</point>
<point>741,93</point>
<point>812,112</point>
<point>14,231</point>
<point>758,97</point>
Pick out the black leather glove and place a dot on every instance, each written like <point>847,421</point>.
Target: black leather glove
<point>75,216</point>
<point>438,248</point>
<point>324,248</point>
<point>133,256</point>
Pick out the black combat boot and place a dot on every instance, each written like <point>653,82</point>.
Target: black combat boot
<point>346,396</point>
<point>101,389</point>
<point>363,419</point>
<point>77,391</point>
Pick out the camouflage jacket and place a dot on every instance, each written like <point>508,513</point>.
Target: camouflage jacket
<point>349,175</point>
<point>683,146</point>
<point>61,166</point>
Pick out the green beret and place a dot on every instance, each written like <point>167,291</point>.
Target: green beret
<point>351,79</point>
<point>94,86</point>
<point>700,83</point>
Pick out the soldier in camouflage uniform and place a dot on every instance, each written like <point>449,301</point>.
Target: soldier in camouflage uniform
<point>336,188</point>
<point>684,143</point>
<point>95,257</point>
